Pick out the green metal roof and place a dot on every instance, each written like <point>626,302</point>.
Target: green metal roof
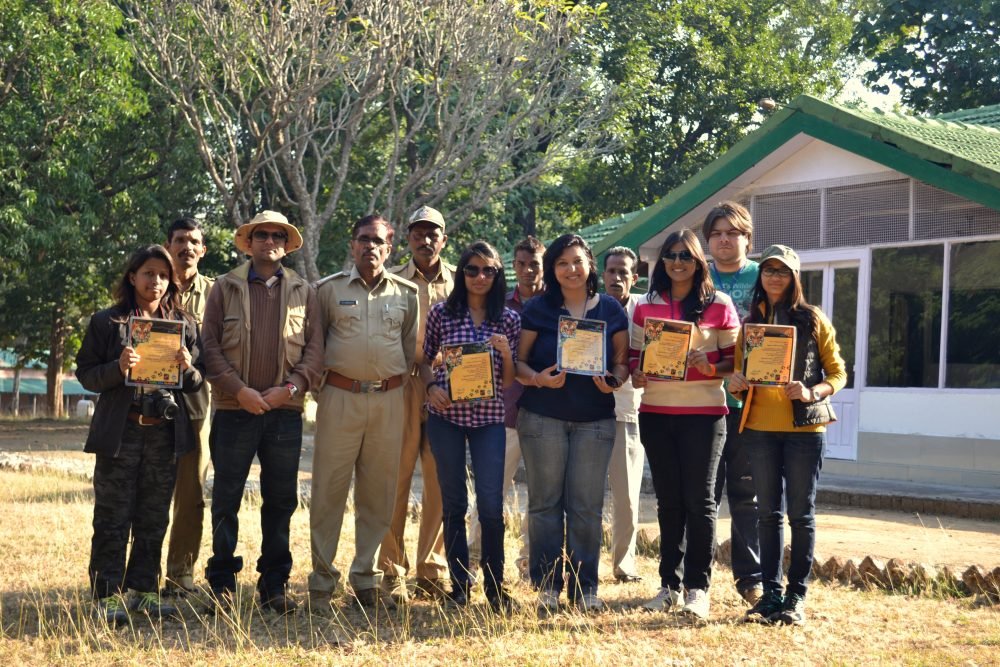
<point>949,152</point>
<point>37,386</point>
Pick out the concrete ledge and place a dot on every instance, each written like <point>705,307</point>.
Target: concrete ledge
<point>900,496</point>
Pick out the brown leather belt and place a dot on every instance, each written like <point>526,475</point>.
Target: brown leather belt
<point>137,417</point>
<point>339,381</point>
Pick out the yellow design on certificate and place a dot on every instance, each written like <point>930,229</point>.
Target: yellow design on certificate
<point>581,346</point>
<point>156,341</point>
<point>469,368</point>
<point>665,348</point>
<point>767,356</point>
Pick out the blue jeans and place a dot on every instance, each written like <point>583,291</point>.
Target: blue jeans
<point>792,459</point>
<point>275,437</point>
<point>487,446</point>
<point>683,453</point>
<point>734,474</point>
<point>566,464</point>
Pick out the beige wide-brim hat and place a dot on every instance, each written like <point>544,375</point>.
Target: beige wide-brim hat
<point>243,233</point>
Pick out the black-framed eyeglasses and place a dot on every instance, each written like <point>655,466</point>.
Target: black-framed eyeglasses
<point>263,235</point>
<point>682,256</point>
<point>489,272</point>
<point>771,272</point>
<point>371,240</point>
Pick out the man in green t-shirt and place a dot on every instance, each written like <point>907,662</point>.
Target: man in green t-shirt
<point>729,232</point>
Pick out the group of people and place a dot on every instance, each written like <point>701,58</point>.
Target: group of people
<point>370,343</point>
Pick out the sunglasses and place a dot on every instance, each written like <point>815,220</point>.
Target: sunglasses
<point>770,272</point>
<point>261,235</point>
<point>489,272</point>
<point>682,256</point>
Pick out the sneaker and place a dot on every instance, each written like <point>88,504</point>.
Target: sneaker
<point>278,602</point>
<point>666,599</point>
<point>793,610</point>
<point>501,602</point>
<point>458,596</point>
<point>547,604</point>
<point>766,609</point>
<point>624,578</point>
<point>150,604</point>
<point>696,603</point>
<point>113,609</point>
<point>396,588</point>
<point>752,595</point>
<point>589,603</point>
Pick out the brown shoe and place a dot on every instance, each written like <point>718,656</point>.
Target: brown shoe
<point>752,595</point>
<point>320,602</point>
<point>279,603</point>
<point>395,587</point>
<point>369,598</point>
<point>433,589</point>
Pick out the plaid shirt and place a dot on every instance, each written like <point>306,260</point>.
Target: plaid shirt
<point>445,329</point>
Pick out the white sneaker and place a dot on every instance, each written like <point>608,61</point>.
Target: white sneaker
<point>548,603</point>
<point>590,603</point>
<point>665,599</point>
<point>696,603</point>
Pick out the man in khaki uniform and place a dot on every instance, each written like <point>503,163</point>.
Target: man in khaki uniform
<point>434,280</point>
<point>186,245</point>
<point>370,323</point>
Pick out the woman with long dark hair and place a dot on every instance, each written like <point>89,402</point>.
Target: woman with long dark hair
<point>785,433</point>
<point>566,425</point>
<point>473,313</point>
<point>137,434</point>
<point>682,425</point>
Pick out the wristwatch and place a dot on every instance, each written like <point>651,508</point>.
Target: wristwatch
<point>292,389</point>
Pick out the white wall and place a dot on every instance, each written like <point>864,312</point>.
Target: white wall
<point>947,413</point>
<point>818,161</point>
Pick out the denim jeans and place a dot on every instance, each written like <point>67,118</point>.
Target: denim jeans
<point>275,437</point>
<point>734,474</point>
<point>683,453</point>
<point>566,464</point>
<point>487,446</point>
<point>794,460</point>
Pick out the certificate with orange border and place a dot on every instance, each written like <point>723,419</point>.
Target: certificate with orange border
<point>156,341</point>
<point>665,347</point>
<point>768,353</point>
<point>469,368</point>
<point>581,345</point>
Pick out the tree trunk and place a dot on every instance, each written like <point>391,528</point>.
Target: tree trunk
<point>57,353</point>
<point>16,406</point>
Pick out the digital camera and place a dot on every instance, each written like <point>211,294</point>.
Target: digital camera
<point>158,404</point>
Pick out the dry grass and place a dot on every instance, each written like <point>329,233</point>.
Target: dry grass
<point>45,616</point>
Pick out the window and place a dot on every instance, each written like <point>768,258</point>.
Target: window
<point>973,315</point>
<point>905,316</point>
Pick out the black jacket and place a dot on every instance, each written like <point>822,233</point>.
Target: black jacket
<point>98,370</point>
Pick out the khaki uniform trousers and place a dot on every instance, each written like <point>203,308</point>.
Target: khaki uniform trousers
<point>359,435</point>
<point>625,480</point>
<point>431,562</point>
<point>189,508</point>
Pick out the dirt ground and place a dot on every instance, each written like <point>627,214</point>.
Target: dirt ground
<point>841,531</point>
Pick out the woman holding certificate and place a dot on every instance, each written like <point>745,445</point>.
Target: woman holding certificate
<point>137,354</point>
<point>786,425</point>
<point>572,356</point>
<point>683,337</point>
<point>474,336</point>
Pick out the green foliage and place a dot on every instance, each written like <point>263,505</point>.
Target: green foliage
<point>943,54</point>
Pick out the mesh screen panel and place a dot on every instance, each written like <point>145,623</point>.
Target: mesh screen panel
<point>790,218</point>
<point>861,214</point>
<point>940,214</point>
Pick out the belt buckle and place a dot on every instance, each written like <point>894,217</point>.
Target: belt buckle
<point>141,423</point>
<point>372,387</point>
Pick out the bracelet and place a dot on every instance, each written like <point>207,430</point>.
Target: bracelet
<point>712,368</point>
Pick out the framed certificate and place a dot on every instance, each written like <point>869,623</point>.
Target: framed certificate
<point>580,346</point>
<point>469,369</point>
<point>665,347</point>
<point>768,353</point>
<point>156,341</point>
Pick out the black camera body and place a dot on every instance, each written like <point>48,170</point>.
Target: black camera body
<point>158,404</point>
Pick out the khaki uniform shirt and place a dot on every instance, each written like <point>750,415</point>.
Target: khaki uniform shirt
<point>370,333</point>
<point>429,293</point>
<point>193,302</point>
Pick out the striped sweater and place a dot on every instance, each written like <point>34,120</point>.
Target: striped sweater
<point>715,334</point>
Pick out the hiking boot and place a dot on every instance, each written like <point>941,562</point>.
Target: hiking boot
<point>547,604</point>
<point>458,596</point>
<point>793,610</point>
<point>370,598</point>
<point>665,600</point>
<point>501,601</point>
<point>320,602</point>
<point>696,604</point>
<point>150,604</point>
<point>113,609</point>
<point>432,589</point>
<point>396,588</point>
<point>224,601</point>
<point>752,595</point>
<point>766,609</point>
<point>278,602</point>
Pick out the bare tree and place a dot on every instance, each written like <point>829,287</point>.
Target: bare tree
<point>301,96</point>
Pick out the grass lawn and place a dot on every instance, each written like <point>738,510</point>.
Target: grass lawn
<point>46,614</point>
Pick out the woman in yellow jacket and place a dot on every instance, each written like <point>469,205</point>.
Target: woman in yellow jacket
<point>785,433</point>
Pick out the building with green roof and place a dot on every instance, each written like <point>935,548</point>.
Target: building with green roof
<point>897,221</point>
